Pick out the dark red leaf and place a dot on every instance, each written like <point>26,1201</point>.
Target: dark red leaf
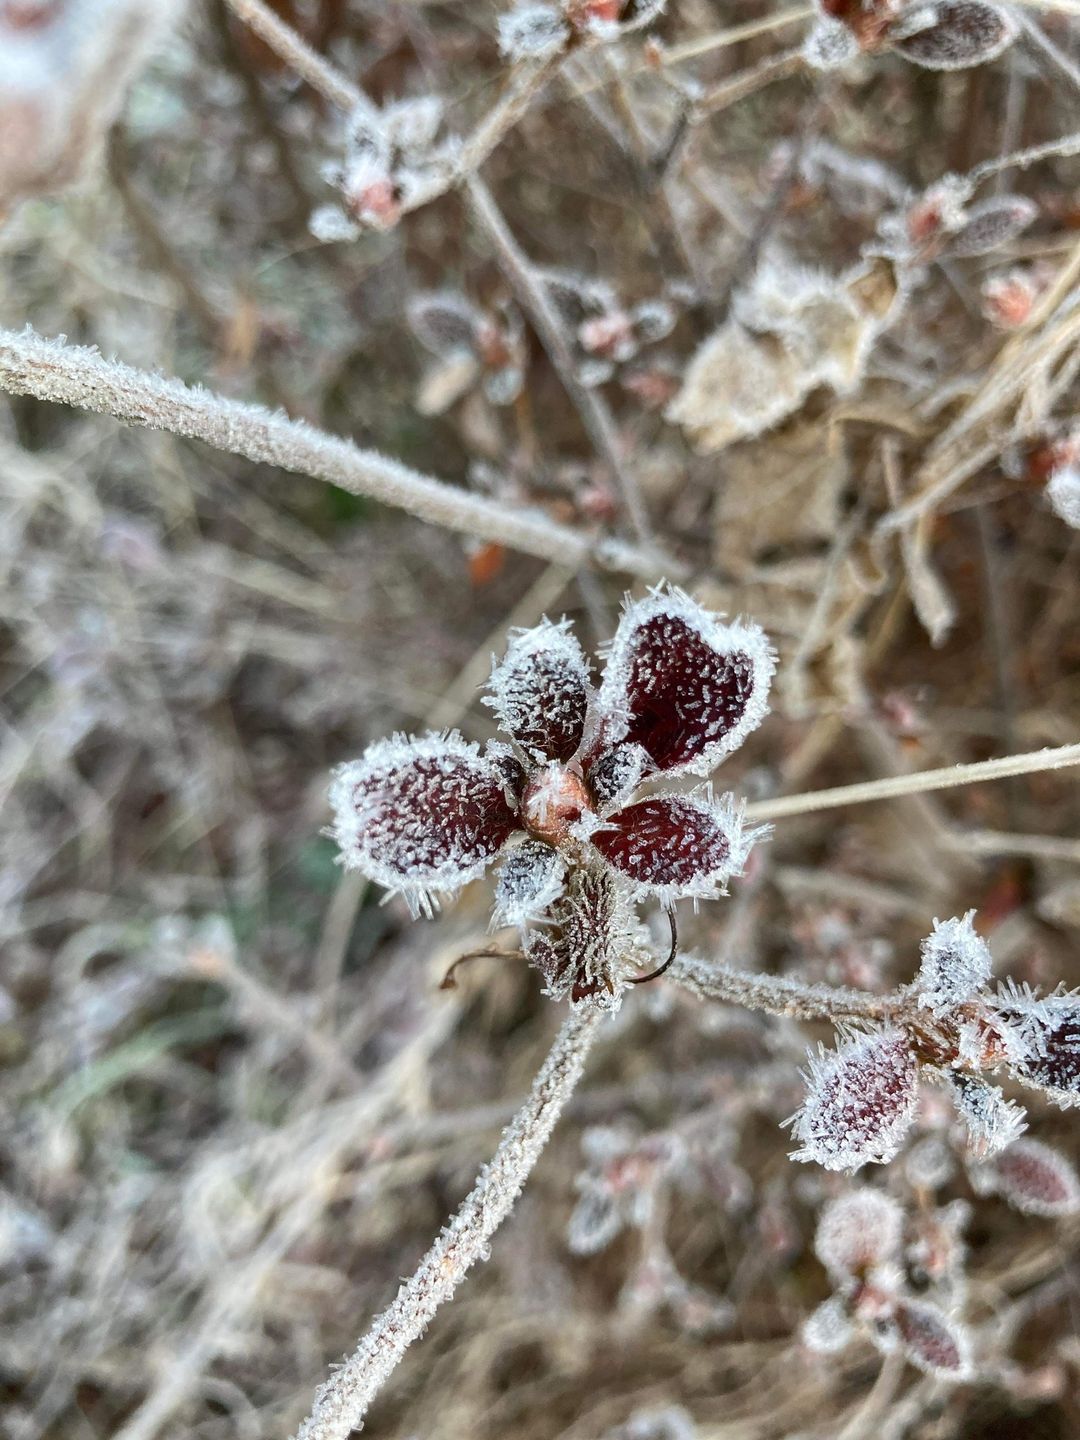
<point>682,684</point>
<point>674,845</point>
<point>540,690</point>
<point>932,1341</point>
<point>422,816</point>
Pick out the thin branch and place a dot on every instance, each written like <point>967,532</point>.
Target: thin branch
<point>1022,159</point>
<point>342,1401</point>
<point>919,783</point>
<point>534,298</point>
<point>524,82</point>
<point>308,63</point>
<point>75,375</point>
<point>779,994</point>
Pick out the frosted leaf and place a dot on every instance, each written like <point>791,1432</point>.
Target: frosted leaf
<point>828,1329</point>
<point>829,44</point>
<point>592,373</point>
<point>860,1102</point>
<point>539,690</point>
<point>857,1232</point>
<point>991,1121</point>
<point>413,124</point>
<point>530,880</point>
<point>791,330</point>
<point>956,34</point>
<point>992,223</point>
<point>932,1342</point>
<point>445,384</point>
<point>421,816</point>
<point>1063,492</point>
<point>1033,1178</point>
<point>591,936</point>
<point>676,846</point>
<point>616,774</point>
<point>502,387</point>
<point>653,320</point>
<point>956,965</point>
<point>683,684</point>
<point>329,224</point>
<point>443,321</point>
<point>594,1222</point>
<point>1048,1056</point>
<point>532,32</point>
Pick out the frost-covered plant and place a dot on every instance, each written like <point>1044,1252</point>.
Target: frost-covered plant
<point>540,32</point>
<point>607,333</point>
<point>949,1027</point>
<point>941,223</point>
<point>628,1184</point>
<point>393,157</point>
<point>560,802</point>
<point>937,34</point>
<point>65,68</point>
<point>860,1241</point>
<point>473,346</point>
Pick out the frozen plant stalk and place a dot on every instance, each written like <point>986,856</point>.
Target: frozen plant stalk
<point>342,1402</point>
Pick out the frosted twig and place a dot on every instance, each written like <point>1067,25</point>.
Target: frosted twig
<point>747,82</point>
<point>892,786</point>
<point>308,64</point>
<point>531,294</point>
<point>342,1401</point>
<point>75,375</point>
<point>1056,56</point>
<point>1022,159</point>
<point>322,75</point>
<point>778,994</point>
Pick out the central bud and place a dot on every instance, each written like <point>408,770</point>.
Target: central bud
<point>554,799</point>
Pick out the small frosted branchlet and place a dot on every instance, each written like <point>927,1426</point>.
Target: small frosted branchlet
<point>950,1028</point>
<point>473,347</point>
<point>394,157</point>
<point>681,689</point>
<point>859,1240</point>
<point>1032,1177</point>
<point>606,332</point>
<point>942,223</point>
<point>530,32</point>
<point>936,34</point>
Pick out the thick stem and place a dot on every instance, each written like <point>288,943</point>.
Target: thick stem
<point>73,375</point>
<point>342,1401</point>
<point>780,995</point>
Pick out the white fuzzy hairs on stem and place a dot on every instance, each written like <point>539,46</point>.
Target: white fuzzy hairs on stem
<point>342,1401</point>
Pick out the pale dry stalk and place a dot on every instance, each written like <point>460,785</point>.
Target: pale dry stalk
<point>342,1401</point>
<point>30,364</point>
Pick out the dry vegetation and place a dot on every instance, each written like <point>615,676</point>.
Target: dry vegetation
<point>790,321</point>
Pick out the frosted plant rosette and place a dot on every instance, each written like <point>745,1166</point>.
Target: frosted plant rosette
<point>561,800</point>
